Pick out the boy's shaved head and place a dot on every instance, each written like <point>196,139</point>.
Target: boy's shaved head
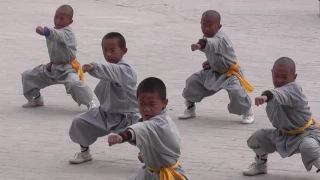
<point>212,14</point>
<point>152,85</point>
<point>285,61</point>
<point>152,97</point>
<point>67,9</point>
<point>283,71</point>
<point>210,23</point>
<point>63,16</point>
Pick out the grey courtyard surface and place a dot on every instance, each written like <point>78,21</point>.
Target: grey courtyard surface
<point>35,144</point>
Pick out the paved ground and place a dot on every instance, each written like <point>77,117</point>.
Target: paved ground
<point>34,143</point>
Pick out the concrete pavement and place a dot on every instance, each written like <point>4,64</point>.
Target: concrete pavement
<point>34,143</point>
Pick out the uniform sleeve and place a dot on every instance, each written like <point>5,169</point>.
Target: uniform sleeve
<point>107,71</point>
<point>59,35</point>
<point>144,133</point>
<point>289,95</point>
<point>211,45</point>
<point>214,50</point>
<point>279,97</point>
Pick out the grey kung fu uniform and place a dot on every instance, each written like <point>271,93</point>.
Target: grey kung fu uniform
<point>288,110</point>
<point>221,55</point>
<point>62,50</point>
<point>158,140</point>
<point>118,109</point>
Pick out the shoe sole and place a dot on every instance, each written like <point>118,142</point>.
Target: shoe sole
<point>244,122</point>
<point>182,118</point>
<point>260,173</point>
<point>86,160</point>
<point>33,106</point>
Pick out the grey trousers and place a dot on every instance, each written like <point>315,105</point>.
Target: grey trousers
<point>202,84</point>
<point>38,78</point>
<point>87,127</point>
<point>263,142</point>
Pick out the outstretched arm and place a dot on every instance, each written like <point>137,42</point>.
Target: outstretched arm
<point>125,136</point>
<point>105,71</point>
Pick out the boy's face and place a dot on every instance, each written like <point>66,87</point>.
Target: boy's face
<point>62,18</point>
<point>209,26</point>
<point>112,51</point>
<point>282,75</point>
<point>150,104</point>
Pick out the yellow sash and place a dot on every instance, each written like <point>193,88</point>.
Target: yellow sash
<point>300,130</point>
<point>233,70</point>
<point>76,65</point>
<point>168,173</point>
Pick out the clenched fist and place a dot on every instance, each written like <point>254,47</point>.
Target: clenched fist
<point>195,47</point>
<point>114,139</point>
<point>260,100</point>
<point>206,65</point>
<point>40,30</point>
<point>87,67</point>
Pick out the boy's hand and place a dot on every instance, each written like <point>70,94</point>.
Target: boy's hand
<point>260,100</point>
<point>206,65</point>
<point>114,139</point>
<point>87,67</point>
<point>195,47</point>
<point>140,158</point>
<point>40,30</point>
<point>48,66</point>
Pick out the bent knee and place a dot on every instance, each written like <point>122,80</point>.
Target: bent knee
<point>193,78</point>
<point>310,146</point>
<point>238,94</point>
<point>76,124</point>
<point>74,84</point>
<point>77,119</point>
<point>27,75</point>
<point>255,138</point>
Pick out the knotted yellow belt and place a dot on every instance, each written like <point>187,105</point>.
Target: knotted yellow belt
<point>233,70</point>
<point>300,130</point>
<point>168,173</point>
<point>76,65</point>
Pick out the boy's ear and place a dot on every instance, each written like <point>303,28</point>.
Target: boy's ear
<point>165,103</point>
<point>124,50</point>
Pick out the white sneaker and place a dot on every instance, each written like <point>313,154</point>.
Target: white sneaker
<point>255,169</point>
<point>80,157</point>
<point>247,119</point>
<point>188,113</point>
<point>34,102</point>
<point>91,105</point>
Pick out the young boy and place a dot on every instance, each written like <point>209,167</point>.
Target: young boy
<point>157,136</point>
<point>220,71</point>
<point>63,67</point>
<point>295,129</point>
<point>116,92</point>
